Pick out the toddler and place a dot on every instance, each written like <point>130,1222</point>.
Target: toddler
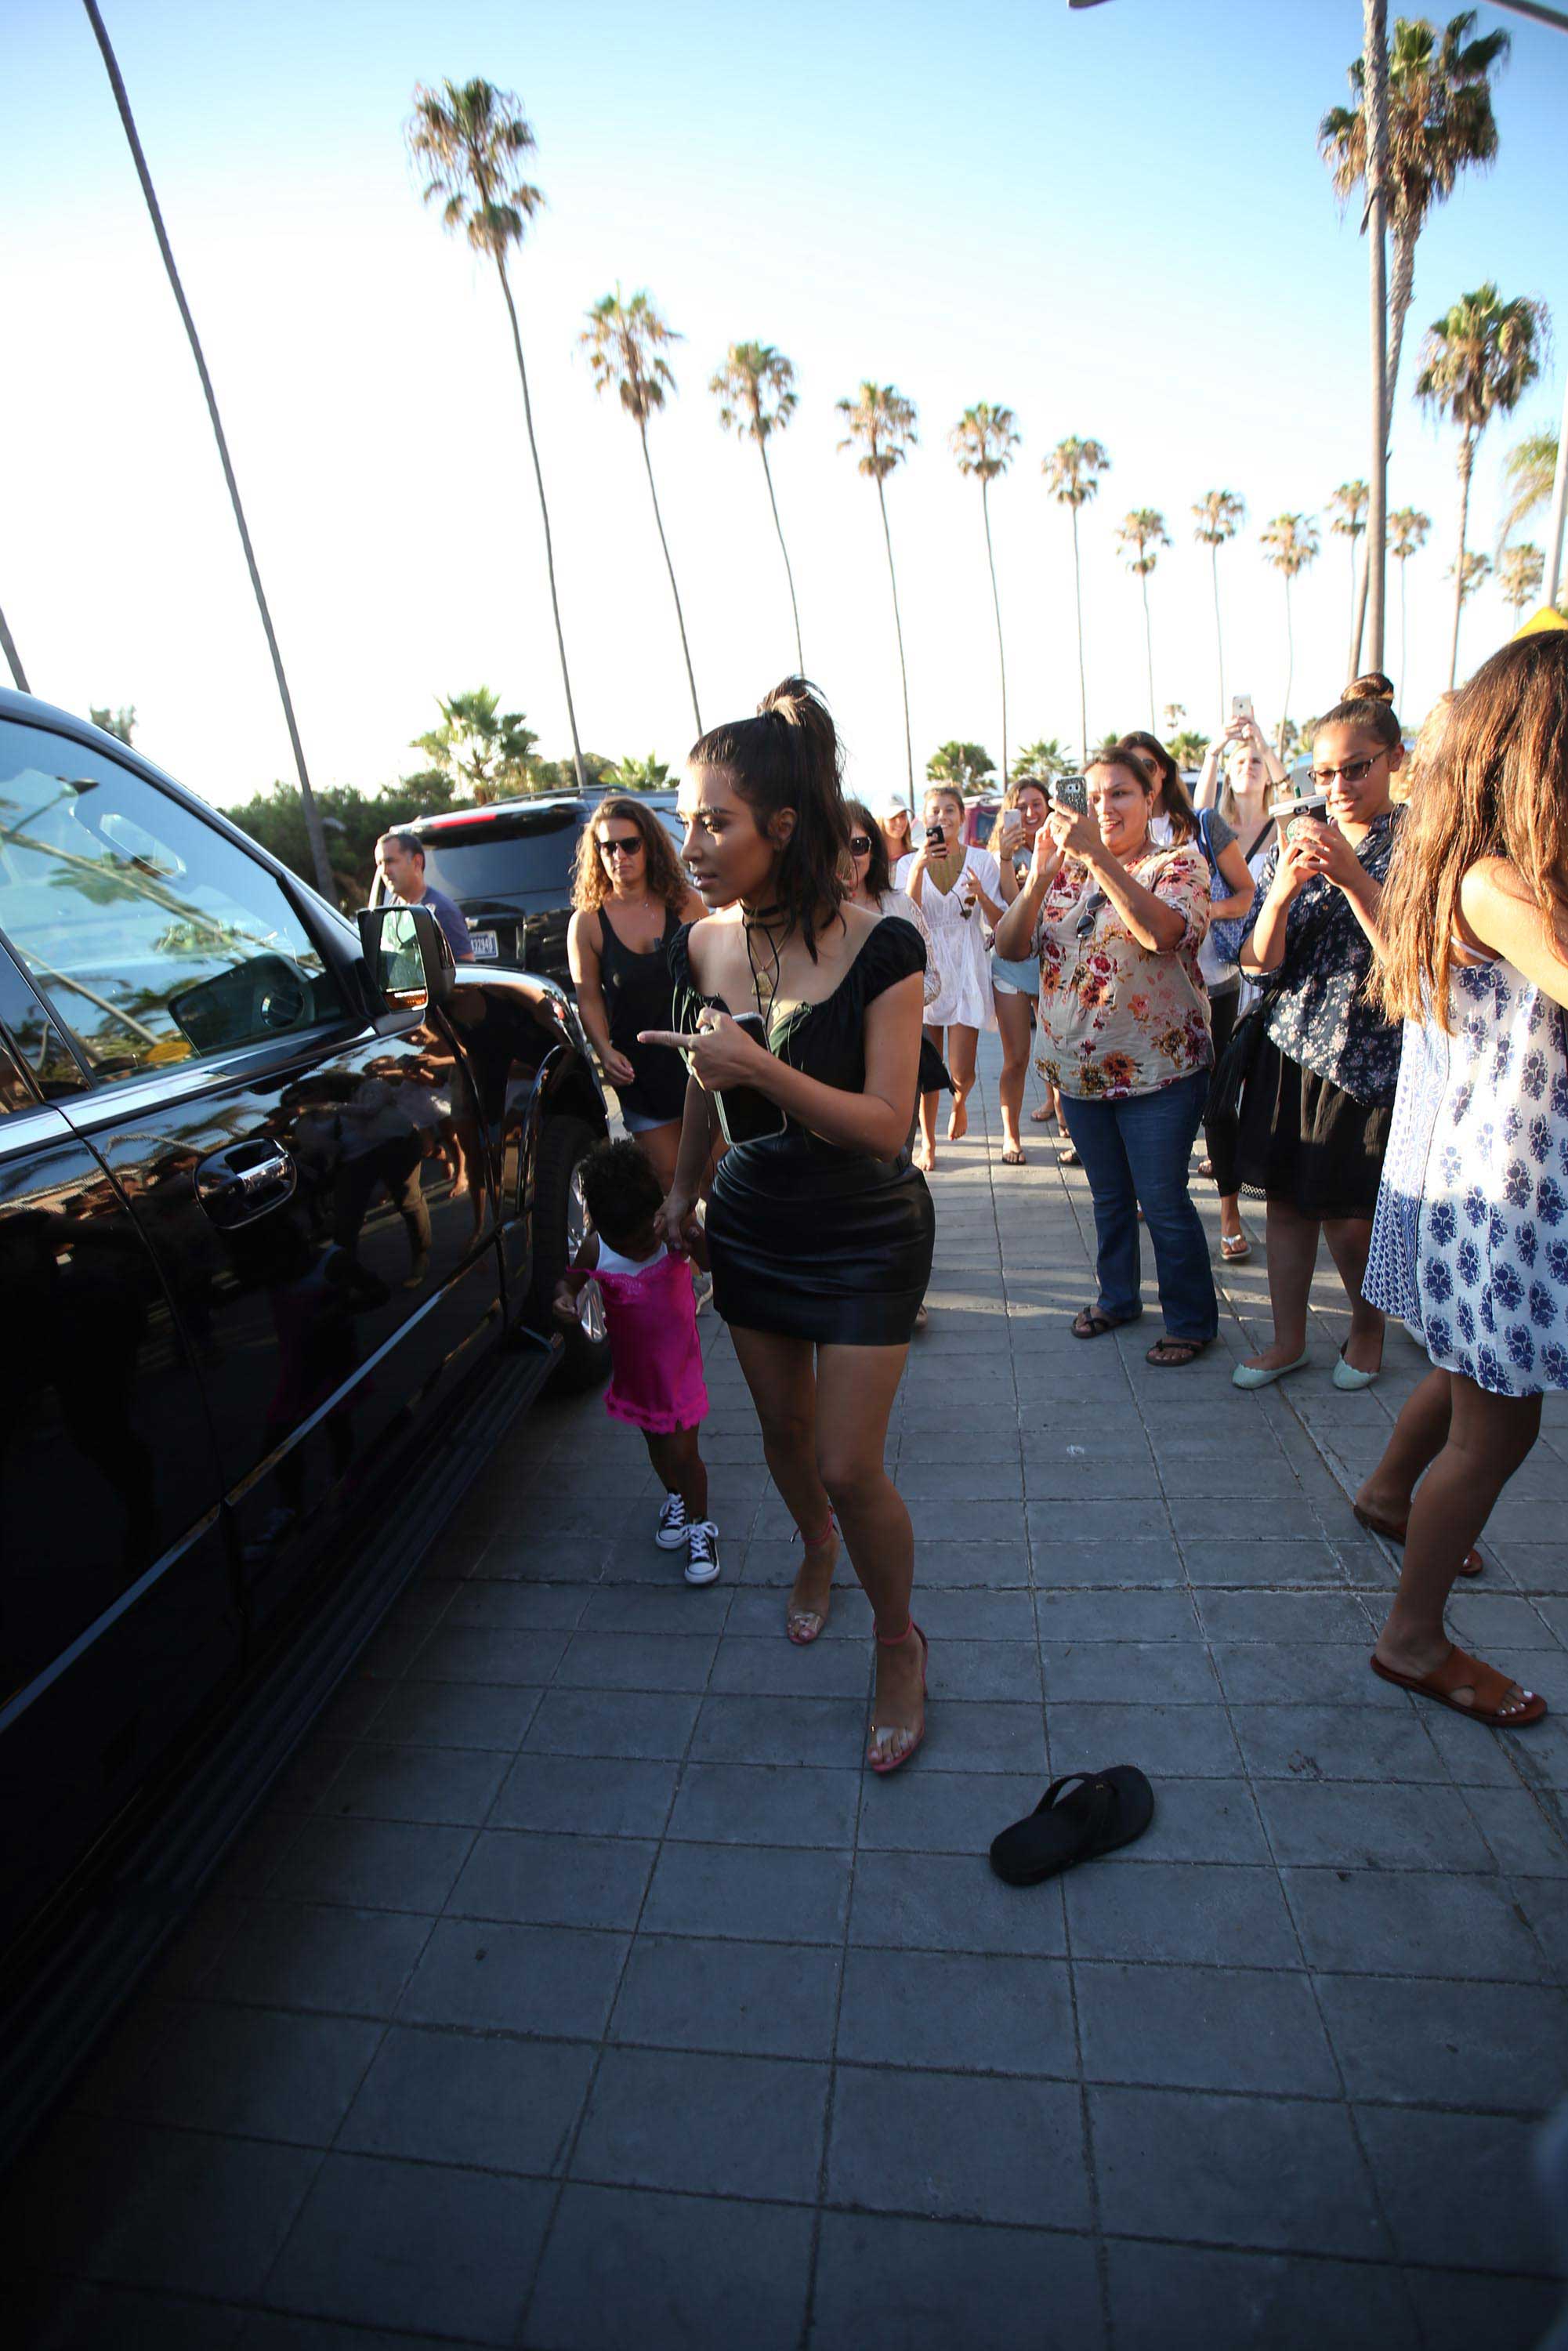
<point>656,1369</point>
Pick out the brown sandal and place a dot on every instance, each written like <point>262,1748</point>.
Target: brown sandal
<point>1173,1354</point>
<point>1471,1564</point>
<point>1014,1158</point>
<point>1090,1323</point>
<point>1458,1671</point>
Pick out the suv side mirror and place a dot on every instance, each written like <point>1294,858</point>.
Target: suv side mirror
<point>408,961</point>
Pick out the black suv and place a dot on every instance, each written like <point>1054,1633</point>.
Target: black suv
<point>277,1196</point>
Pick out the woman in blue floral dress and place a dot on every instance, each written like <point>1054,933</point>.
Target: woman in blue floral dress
<point>1470,1243</point>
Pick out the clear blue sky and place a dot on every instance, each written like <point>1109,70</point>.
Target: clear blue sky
<point>1115,222</point>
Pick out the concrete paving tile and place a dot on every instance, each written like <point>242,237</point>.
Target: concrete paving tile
<point>767,1804</point>
<point>1487,1622</point>
<point>1058,1485</point>
<point>1285,1617</point>
<point>457,1714</point>
<point>756,1610</point>
<point>649,1661</point>
<point>1202,1521</point>
<point>1356,1826</point>
<point>744,1729</point>
<point>1196,1913</point>
<point>451,2097</point>
<point>957,2147</point>
<point>1456,2310</point>
<point>553,1881</point>
<point>1096,1518</point>
<point>1535,1567</point>
<point>923,2285</point>
<point>310,1956</point>
<point>947,1902</point>
<point>1543,1901</point>
<point>1324,1673</point>
<point>1241,1563</point>
<point>1232,1473</point>
<point>1187,1742</point>
<point>69,2314</point>
<point>759,2000</point>
<point>1409,1922</point>
<point>415,2245</point>
<point>256,2073</point>
<point>1203,2029</point>
<point>677,1608</point>
<point>1474,2045</point>
<point>760,1893</point>
<point>1194,2298</point>
<point>519,1607</point>
<point>627,2271</point>
<point>932,1811</point>
<point>971,1615</point>
<point>1281,2174</point>
<point>924,1479</point>
<point>1134,1673</point>
<point>546,1979</point>
<point>373,1864</point>
<point>1459,2189</point>
<point>417,1783</point>
<point>1006,1671</point>
<point>980,1735</point>
<point>1199,1820</point>
<point>586,1795</point>
<point>1065,1565</point>
<point>957,2012</point>
<point>713,2124</point>
<point>955,1566</point>
<point>486,1653</point>
<point>655,1724</point>
<point>1336,1742</point>
<point>270,2330</point>
<point>769,1665</point>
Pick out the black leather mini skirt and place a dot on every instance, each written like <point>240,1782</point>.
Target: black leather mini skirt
<point>815,1243</point>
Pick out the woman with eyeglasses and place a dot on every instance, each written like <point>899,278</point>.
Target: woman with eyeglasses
<point>1314,1113</point>
<point>631,897</point>
<point>1117,921</point>
<point>955,885</point>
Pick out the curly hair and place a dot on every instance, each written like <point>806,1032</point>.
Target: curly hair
<point>664,874</point>
<point>620,1191</point>
<point>790,757</point>
<point>1494,783</point>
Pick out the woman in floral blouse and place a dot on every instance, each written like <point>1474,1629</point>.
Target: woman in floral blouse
<point>1315,1107</point>
<point>1117,922</point>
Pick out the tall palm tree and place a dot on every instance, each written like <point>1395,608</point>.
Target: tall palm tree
<point>882,427</point>
<point>1219,515</point>
<point>1477,362</point>
<point>1348,506</point>
<point>12,658</point>
<point>1407,529</point>
<point>1140,536</point>
<point>1045,757</point>
<point>983,441</point>
<point>1519,573</point>
<point>471,140</point>
<point>1073,471</point>
<point>756,386</point>
<point>1440,123</point>
<point>308,805</point>
<point>625,345</point>
<point>1291,540</point>
<point>1530,470</point>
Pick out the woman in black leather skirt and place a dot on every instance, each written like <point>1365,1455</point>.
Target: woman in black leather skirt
<point>819,1228</point>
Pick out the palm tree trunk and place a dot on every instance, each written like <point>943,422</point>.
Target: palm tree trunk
<point>663,542</point>
<point>1401,571</point>
<point>1289,672</point>
<point>1082,687</point>
<point>1467,461</point>
<point>1401,293</point>
<point>898,632</point>
<point>309,808</point>
<point>1357,610</point>
<point>578,768</point>
<point>12,658</point>
<point>1218,638</point>
<point>997,607</point>
<point>1149,651</point>
<point>789,576</point>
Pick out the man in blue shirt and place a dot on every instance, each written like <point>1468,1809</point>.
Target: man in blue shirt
<point>399,861</point>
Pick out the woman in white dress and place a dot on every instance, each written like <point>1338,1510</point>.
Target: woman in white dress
<point>1470,1243</point>
<point>958,891</point>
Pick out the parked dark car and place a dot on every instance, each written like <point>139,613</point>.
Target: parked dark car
<point>282,1204</point>
<point>508,866</point>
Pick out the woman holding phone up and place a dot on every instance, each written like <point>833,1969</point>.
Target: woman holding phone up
<point>954,885</point>
<point>819,1229</point>
<point>1015,983</point>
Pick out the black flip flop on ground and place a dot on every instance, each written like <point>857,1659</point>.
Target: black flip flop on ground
<point>1102,1811</point>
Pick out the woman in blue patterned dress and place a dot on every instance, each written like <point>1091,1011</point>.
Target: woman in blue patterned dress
<point>1470,1240</point>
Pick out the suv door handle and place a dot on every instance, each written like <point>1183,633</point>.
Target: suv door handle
<point>244,1181</point>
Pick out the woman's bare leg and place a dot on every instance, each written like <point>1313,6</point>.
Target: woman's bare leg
<point>781,1375</point>
<point>962,1043</point>
<point>926,1149</point>
<point>1418,1437</point>
<point>660,1147</point>
<point>855,1389</point>
<point>1292,1246</point>
<point>1012,1020</point>
<point>1349,1239</point>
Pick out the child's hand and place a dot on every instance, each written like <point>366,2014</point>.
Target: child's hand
<point>567,1290</point>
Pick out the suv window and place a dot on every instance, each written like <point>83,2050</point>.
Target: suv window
<point>504,856</point>
<point>157,939</point>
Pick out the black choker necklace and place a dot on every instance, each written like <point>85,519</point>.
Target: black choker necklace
<point>755,917</point>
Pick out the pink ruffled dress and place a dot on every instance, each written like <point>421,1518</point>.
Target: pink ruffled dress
<point>656,1363</point>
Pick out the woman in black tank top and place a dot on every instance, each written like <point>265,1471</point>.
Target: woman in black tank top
<point>631,896</point>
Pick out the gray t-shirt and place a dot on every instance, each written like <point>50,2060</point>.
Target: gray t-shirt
<point>450,917</point>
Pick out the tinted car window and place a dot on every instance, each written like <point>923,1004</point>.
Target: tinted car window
<point>503,859</point>
<point>157,939</point>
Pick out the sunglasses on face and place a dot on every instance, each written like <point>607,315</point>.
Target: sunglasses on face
<point>625,844</point>
<point>1352,771</point>
<point>859,845</point>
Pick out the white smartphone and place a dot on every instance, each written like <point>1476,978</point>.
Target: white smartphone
<point>1241,705</point>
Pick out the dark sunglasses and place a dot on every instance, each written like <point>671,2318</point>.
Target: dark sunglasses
<point>625,844</point>
<point>1353,770</point>
<point>859,845</point>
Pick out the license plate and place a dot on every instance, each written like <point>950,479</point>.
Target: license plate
<point>485,945</point>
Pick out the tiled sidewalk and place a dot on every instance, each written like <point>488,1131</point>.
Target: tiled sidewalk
<point>576,1989</point>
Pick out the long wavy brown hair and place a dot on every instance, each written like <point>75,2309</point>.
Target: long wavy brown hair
<point>1493,784</point>
<point>666,877</point>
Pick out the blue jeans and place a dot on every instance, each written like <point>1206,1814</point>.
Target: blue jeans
<point>1134,1153</point>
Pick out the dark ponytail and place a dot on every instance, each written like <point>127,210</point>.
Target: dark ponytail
<point>788,757</point>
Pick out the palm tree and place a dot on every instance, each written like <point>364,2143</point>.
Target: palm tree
<point>1348,506</point>
<point>1477,567</point>
<point>1440,123</point>
<point>1073,471</point>
<point>1045,757</point>
<point>1407,529</point>
<point>756,397</point>
<point>1291,540</point>
<point>965,765</point>
<point>1477,362</point>
<point>1219,515</point>
<point>983,441</point>
<point>309,808</point>
<point>1140,536</point>
<point>625,343</point>
<point>471,140</point>
<point>1520,571</point>
<point>1188,748</point>
<point>881,426</point>
<point>12,658</point>
<point>1530,470</point>
<point>1172,716</point>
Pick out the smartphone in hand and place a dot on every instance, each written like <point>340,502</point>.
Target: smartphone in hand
<point>1071,793</point>
<point>1240,706</point>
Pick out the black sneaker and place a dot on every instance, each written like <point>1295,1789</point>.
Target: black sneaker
<point>702,1551</point>
<point>670,1534</point>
